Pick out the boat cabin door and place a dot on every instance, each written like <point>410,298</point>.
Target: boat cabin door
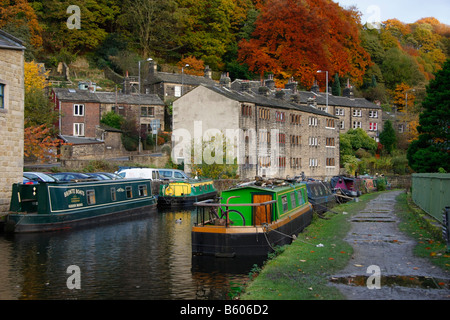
<point>262,214</point>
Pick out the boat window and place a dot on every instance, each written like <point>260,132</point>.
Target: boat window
<point>293,200</point>
<point>90,196</point>
<point>113,194</point>
<point>129,192</point>
<point>300,197</point>
<point>200,187</point>
<point>284,202</point>
<point>142,190</point>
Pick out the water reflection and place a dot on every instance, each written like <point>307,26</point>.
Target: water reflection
<point>149,258</point>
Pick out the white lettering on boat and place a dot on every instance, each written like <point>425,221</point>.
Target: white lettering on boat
<point>73,191</point>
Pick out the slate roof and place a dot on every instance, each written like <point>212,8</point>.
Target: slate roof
<point>77,95</point>
<point>179,78</point>
<point>8,41</point>
<point>267,101</point>
<point>319,97</point>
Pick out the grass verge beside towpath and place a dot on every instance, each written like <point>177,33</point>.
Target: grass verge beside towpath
<point>302,270</point>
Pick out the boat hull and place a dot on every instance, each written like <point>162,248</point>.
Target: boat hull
<point>27,223</point>
<point>183,201</point>
<point>223,241</point>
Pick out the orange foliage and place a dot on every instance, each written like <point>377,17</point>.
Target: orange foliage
<point>40,144</point>
<point>19,13</point>
<point>196,67</point>
<point>299,37</point>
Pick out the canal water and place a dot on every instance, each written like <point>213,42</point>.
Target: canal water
<point>149,258</point>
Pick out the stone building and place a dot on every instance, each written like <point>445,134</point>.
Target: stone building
<point>81,110</point>
<point>12,95</point>
<point>173,85</point>
<point>273,133</point>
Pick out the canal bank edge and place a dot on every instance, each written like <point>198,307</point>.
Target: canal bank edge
<point>303,270</point>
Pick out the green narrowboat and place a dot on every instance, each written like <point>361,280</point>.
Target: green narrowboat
<point>185,193</point>
<point>251,219</point>
<point>50,206</point>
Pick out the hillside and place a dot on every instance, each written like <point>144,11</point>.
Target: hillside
<point>246,38</point>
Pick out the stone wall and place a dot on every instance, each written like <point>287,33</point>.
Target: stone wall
<point>11,123</point>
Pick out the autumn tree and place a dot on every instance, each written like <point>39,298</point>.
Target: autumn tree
<point>431,150</point>
<point>18,18</point>
<point>40,144</point>
<point>297,38</point>
<point>195,66</point>
<point>403,96</point>
<point>38,109</point>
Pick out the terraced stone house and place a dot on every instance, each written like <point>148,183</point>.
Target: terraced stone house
<point>12,95</point>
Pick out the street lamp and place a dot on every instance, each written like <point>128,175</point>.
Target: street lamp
<point>139,64</point>
<point>326,88</point>
<point>182,77</point>
<point>406,99</point>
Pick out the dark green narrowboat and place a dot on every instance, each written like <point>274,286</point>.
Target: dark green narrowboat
<point>251,219</point>
<point>55,206</point>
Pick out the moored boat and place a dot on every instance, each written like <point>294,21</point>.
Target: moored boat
<point>344,187</point>
<point>251,219</point>
<point>53,206</point>
<point>185,193</point>
<point>320,196</point>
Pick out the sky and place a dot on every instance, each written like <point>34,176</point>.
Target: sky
<point>407,11</point>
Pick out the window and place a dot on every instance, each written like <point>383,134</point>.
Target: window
<point>330,162</point>
<point>264,114</point>
<point>330,142</point>
<point>284,203</point>
<point>90,196</point>
<point>342,125</point>
<point>313,141</point>
<point>296,119</point>
<point>339,112</point>
<point>357,124</point>
<point>129,192</point>
<point>177,91</point>
<point>142,190</point>
<point>296,140</point>
<point>330,123</point>
<point>312,121</point>
<point>2,96</point>
<point>313,162</point>
<point>296,163</point>
<point>282,162</point>
<point>281,138</point>
<point>373,126</point>
<point>357,113</point>
<point>246,111</point>
<point>373,114</point>
<point>147,112</point>
<point>300,197</point>
<point>78,110</point>
<point>293,200</point>
<point>78,129</point>
<point>113,194</point>
<point>280,116</point>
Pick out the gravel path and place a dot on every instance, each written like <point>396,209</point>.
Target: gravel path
<point>381,249</point>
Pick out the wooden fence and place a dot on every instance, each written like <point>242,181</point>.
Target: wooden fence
<point>431,192</point>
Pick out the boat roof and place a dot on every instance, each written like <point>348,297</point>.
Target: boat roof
<point>271,185</point>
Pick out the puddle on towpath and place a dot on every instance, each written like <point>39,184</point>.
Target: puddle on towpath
<point>402,281</point>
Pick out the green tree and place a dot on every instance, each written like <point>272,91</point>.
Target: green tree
<point>431,150</point>
<point>399,67</point>
<point>336,88</point>
<point>388,138</point>
<point>112,119</point>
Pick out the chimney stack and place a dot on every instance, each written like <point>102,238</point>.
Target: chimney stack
<point>208,72</point>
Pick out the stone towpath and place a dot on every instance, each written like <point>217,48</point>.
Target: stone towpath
<point>380,246</point>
